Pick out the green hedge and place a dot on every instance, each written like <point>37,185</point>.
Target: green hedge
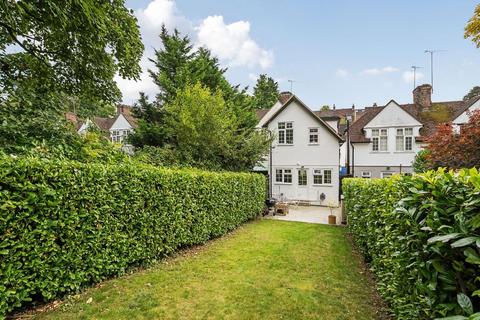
<point>421,237</point>
<point>65,225</point>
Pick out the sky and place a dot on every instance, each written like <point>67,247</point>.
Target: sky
<point>336,52</point>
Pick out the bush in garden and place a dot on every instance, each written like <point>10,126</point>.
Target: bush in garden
<point>65,225</point>
<point>421,237</point>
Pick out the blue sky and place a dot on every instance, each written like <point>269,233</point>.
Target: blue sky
<point>338,52</point>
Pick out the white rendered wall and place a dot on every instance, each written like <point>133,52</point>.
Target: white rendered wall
<point>324,155</point>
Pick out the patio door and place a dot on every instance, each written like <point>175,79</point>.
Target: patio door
<point>302,184</point>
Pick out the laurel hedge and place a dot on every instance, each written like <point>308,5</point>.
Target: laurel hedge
<point>65,225</point>
<point>421,237</point>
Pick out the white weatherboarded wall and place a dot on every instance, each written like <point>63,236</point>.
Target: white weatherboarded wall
<point>324,155</point>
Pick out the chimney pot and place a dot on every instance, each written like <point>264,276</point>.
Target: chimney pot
<point>422,95</point>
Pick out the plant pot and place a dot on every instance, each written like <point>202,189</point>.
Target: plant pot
<point>332,219</point>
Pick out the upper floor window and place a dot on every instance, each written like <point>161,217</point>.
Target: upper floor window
<point>313,135</point>
<point>285,133</point>
<point>119,135</point>
<point>322,176</point>
<point>379,140</point>
<point>404,139</point>
<point>283,175</point>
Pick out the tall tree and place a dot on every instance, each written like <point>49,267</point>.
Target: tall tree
<point>206,133</point>
<point>151,124</point>
<point>169,61</point>
<point>51,51</point>
<point>474,92</point>
<point>178,67</point>
<point>265,93</point>
<point>74,47</point>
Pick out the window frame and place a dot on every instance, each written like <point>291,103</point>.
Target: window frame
<point>315,174</point>
<point>406,139</point>
<point>285,131</point>
<point>378,139</point>
<point>306,177</point>
<point>386,174</point>
<point>313,134</point>
<point>366,174</point>
<point>283,174</point>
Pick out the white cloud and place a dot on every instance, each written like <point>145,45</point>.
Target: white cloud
<point>408,76</point>
<point>379,71</point>
<point>253,77</point>
<point>232,43</point>
<point>342,73</point>
<point>157,13</point>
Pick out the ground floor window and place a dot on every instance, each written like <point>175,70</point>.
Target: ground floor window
<point>302,177</point>
<point>322,176</point>
<point>366,174</point>
<point>283,175</point>
<point>387,174</point>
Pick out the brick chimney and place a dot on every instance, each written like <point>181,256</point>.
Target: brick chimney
<point>120,108</point>
<point>284,96</point>
<point>422,95</point>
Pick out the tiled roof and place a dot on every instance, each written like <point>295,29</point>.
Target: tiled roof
<point>261,113</point>
<point>439,112</point>
<point>104,124</point>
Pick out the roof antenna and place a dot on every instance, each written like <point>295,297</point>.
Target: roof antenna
<point>415,75</point>
<point>431,52</point>
<point>291,85</point>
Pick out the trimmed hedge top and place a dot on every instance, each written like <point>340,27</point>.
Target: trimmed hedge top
<point>65,225</point>
<point>421,236</point>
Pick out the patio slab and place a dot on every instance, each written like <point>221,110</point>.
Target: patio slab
<point>310,214</point>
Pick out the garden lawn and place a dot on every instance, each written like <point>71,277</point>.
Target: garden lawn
<point>264,270</point>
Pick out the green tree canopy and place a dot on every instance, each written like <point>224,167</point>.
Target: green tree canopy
<point>75,47</point>
<point>265,93</point>
<point>474,92</point>
<point>325,108</point>
<point>57,56</point>
<point>178,67</point>
<point>472,30</point>
<point>205,131</point>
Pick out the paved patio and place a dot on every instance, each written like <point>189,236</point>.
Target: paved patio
<point>310,214</point>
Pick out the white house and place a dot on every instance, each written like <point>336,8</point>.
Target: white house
<point>305,158</point>
<point>118,128</point>
<point>385,140</point>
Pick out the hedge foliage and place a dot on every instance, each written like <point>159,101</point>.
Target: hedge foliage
<point>421,237</point>
<point>65,225</point>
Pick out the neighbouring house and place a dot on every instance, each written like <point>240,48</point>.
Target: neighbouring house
<point>117,128</point>
<point>385,140</point>
<point>304,161</point>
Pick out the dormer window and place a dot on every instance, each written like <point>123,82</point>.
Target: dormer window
<point>285,133</point>
<point>379,140</point>
<point>404,139</point>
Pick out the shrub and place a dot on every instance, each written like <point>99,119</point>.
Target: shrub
<point>65,225</point>
<point>421,237</point>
